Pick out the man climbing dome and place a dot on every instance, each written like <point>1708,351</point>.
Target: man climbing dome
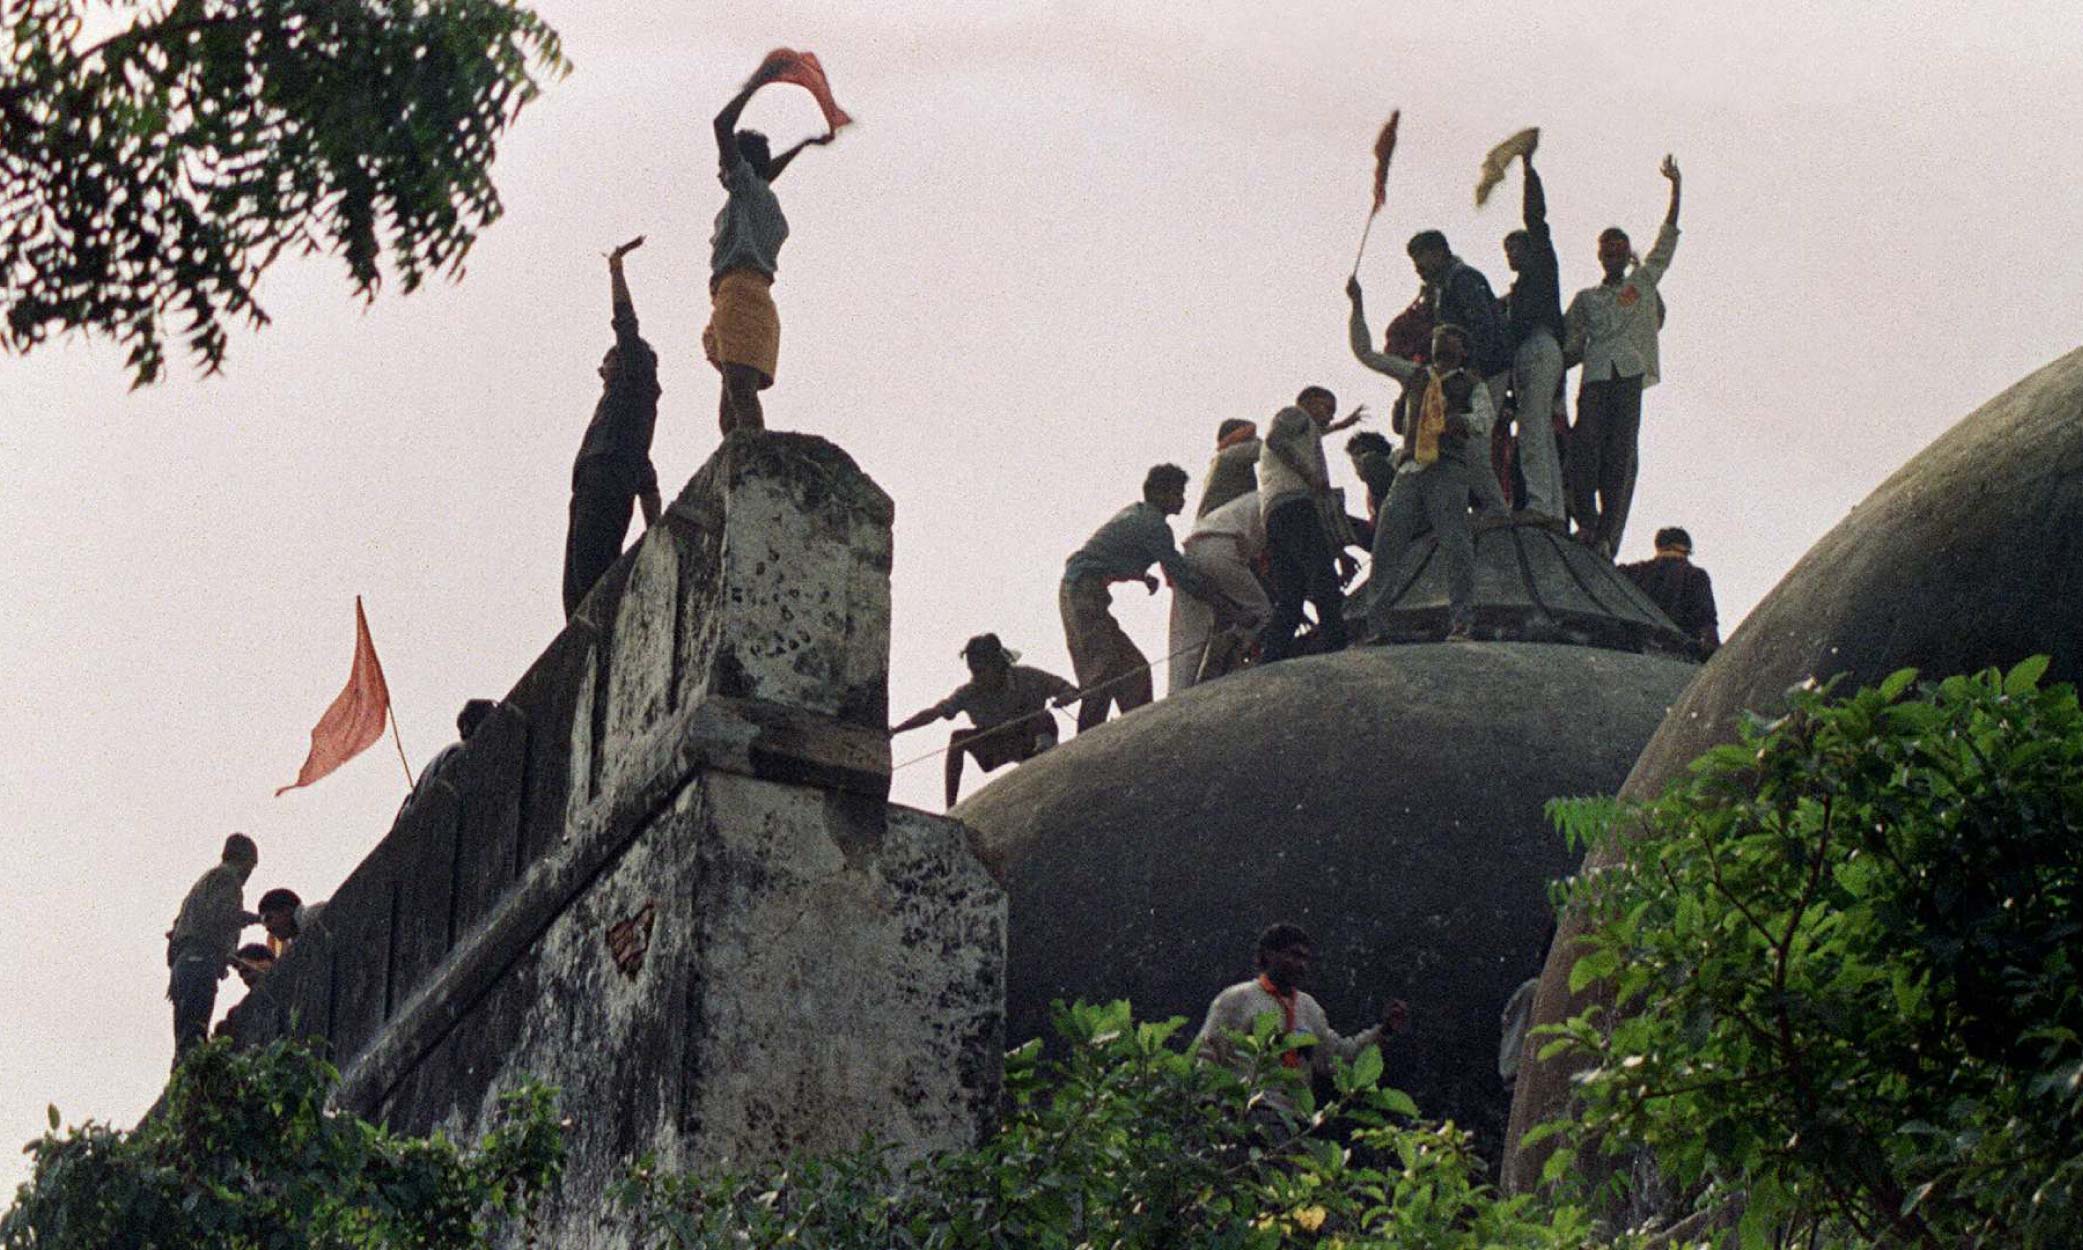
<point>1234,470</point>
<point>1307,554</point>
<point>1680,588</point>
<point>743,338</point>
<point>1612,330</point>
<point>1211,637</point>
<point>1008,705</point>
<point>1286,958</point>
<point>1111,670</point>
<point>1444,450</point>
<point>205,936</point>
<point>613,469</point>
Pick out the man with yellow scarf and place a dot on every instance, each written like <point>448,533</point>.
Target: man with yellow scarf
<point>1436,466</point>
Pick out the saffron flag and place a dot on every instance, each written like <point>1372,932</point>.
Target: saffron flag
<point>1384,148</point>
<point>1501,158</point>
<point>802,69</point>
<point>355,720</point>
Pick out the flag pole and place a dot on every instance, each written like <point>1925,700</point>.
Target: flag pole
<point>399,742</point>
<point>1369,229</point>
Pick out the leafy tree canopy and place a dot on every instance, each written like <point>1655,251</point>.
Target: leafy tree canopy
<point>148,179</point>
<point>1130,1143</point>
<point>1847,954</point>
<point>244,1155</point>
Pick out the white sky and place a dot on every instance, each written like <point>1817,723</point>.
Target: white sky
<point>1064,241</point>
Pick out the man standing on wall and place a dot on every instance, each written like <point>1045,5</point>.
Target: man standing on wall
<point>1612,329</point>
<point>1110,668</point>
<point>743,338</point>
<point>613,469</point>
<point>205,936</point>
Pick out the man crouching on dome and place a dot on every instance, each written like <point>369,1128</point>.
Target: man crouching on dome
<point>1008,703</point>
<point>1286,956</point>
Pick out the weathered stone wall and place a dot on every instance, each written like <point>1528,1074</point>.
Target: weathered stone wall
<point>698,766</point>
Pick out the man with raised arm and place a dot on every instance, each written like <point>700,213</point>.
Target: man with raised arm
<point>743,338</point>
<point>1533,312</point>
<point>1446,447</point>
<point>1611,329</point>
<point>1008,704</point>
<point>1111,669</point>
<point>613,469</point>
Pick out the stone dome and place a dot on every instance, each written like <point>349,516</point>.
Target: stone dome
<point>1387,798</point>
<point>1532,584</point>
<point>1971,555</point>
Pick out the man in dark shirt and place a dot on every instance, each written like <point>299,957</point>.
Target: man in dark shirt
<point>1007,702</point>
<point>614,464</point>
<point>1533,310</point>
<point>1464,299</point>
<point>1681,588</point>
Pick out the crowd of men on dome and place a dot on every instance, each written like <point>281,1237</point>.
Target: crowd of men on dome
<point>1485,432</point>
<point>1483,423</point>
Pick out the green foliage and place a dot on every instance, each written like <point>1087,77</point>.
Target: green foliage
<point>155,175</point>
<point>244,1155</point>
<point>1844,957</point>
<point>1127,1142</point>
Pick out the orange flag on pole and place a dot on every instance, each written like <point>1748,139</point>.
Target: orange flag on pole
<point>356,719</point>
<point>802,69</point>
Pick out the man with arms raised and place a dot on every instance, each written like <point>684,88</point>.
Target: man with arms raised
<point>743,339</point>
<point>1612,329</point>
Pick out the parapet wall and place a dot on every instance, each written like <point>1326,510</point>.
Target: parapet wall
<point>664,875</point>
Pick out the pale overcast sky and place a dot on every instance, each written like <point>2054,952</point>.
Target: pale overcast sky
<point>1063,242</point>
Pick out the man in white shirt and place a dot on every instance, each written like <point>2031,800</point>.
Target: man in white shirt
<point>1434,473</point>
<point>1611,330</point>
<point>1294,491</point>
<point>1286,957</point>
<point>1224,545</point>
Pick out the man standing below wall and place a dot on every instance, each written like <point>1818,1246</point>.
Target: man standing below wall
<point>1286,959</point>
<point>205,936</point>
<point>1612,329</point>
<point>1534,317</point>
<point>1294,492</point>
<point>613,469</point>
<point>1464,299</point>
<point>1111,670</point>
